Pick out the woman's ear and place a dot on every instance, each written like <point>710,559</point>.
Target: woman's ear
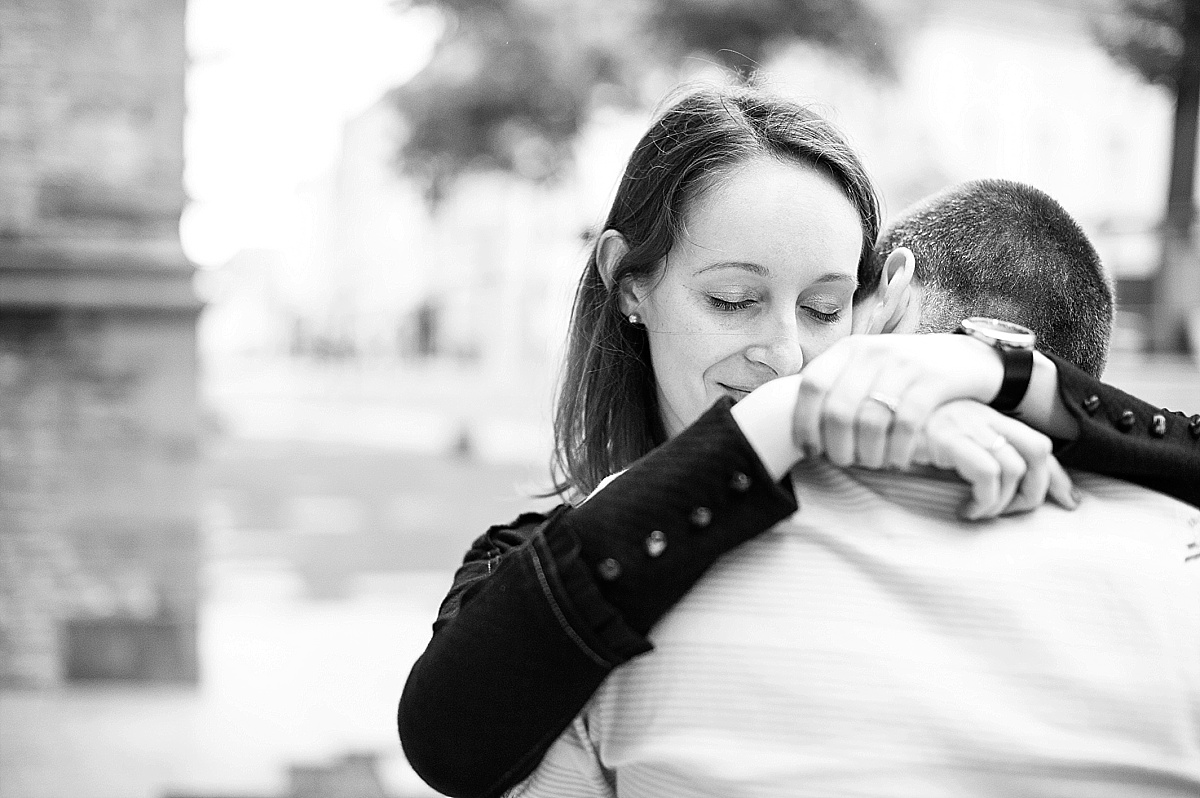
<point>893,298</point>
<point>611,249</point>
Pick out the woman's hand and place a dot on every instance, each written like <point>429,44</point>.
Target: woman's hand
<point>1010,466</point>
<point>864,400</point>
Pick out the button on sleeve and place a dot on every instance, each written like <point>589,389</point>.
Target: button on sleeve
<point>609,569</point>
<point>1158,425</point>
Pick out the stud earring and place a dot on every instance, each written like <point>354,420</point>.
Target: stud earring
<point>635,319</point>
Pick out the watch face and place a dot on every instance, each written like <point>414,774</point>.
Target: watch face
<point>1004,332</point>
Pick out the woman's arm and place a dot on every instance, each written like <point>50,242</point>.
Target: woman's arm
<point>1121,436</point>
<point>1098,428</point>
<point>1101,429</point>
<point>543,609</point>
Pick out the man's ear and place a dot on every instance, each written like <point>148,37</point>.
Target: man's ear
<point>893,296</point>
<point>610,251</point>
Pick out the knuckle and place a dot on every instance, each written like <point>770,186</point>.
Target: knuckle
<point>839,417</point>
<point>811,386</point>
<point>839,457</point>
<point>873,422</point>
<point>990,470</point>
<point>907,421</point>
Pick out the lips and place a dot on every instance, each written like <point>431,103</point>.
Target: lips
<point>738,393</point>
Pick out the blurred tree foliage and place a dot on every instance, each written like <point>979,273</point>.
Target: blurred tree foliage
<point>741,33</point>
<point>1160,39</point>
<point>1146,36</point>
<point>512,82</point>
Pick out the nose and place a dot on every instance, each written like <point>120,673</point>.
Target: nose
<point>778,349</point>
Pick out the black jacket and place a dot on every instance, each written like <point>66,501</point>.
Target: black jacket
<point>543,608</point>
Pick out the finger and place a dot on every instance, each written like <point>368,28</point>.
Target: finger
<point>1034,448</point>
<point>806,418</point>
<point>844,402</point>
<point>876,415</point>
<point>972,462</point>
<point>1062,490</point>
<point>877,429</point>
<point>1032,491</point>
<point>1012,471</point>
<point>920,400</point>
<point>871,433</point>
<point>922,452</point>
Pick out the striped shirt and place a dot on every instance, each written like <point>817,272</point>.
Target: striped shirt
<point>873,645</point>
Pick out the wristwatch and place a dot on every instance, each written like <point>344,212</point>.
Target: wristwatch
<point>1015,345</point>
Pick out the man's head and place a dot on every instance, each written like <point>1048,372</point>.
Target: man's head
<point>1006,250</point>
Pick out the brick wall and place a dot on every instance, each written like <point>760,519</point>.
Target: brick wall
<point>98,546</point>
<point>91,110</point>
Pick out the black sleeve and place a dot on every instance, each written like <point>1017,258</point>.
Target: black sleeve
<point>541,610</point>
<point>1122,436</point>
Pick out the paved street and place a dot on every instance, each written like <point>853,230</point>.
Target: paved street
<point>285,680</point>
<point>325,566</point>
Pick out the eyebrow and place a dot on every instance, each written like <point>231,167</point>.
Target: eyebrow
<point>763,271</point>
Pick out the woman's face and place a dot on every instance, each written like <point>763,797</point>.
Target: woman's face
<point>760,281</point>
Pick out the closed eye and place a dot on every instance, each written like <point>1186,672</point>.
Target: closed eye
<point>821,315</point>
<point>728,306</point>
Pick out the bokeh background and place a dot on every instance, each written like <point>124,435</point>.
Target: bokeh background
<point>283,285</point>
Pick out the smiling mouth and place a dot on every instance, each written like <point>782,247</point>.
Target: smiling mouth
<point>738,393</point>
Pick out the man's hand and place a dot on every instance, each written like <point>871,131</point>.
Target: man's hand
<point>864,400</point>
<point>1009,465</point>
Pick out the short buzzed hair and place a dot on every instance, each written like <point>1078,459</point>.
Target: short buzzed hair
<point>1007,250</point>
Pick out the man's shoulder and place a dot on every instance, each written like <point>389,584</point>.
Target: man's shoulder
<point>1125,508</point>
<point>926,502</point>
<point>826,492</point>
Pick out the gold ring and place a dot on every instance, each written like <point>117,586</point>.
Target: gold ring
<point>890,402</point>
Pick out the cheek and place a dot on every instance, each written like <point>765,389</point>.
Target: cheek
<point>826,336</point>
<point>684,358</point>
<point>684,341</point>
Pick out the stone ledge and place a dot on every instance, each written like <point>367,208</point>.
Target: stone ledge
<point>151,275</point>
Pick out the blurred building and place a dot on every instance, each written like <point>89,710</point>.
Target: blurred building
<point>98,543</point>
<point>1016,89</point>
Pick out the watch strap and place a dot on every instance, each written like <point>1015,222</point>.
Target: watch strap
<point>1018,370</point>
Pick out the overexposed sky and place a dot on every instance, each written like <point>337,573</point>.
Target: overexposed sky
<point>270,84</point>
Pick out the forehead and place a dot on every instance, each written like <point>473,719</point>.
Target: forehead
<point>771,211</point>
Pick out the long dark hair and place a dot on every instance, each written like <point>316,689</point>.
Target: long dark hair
<point>607,412</point>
